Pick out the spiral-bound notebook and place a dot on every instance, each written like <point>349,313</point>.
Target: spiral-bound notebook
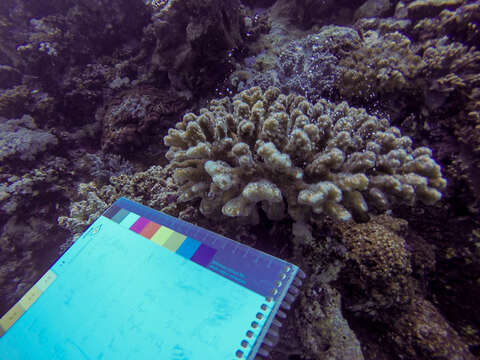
<point>140,284</point>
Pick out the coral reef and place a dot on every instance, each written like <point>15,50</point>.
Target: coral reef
<point>30,196</point>
<point>445,260</point>
<point>377,270</point>
<point>193,38</point>
<point>12,101</point>
<point>382,64</point>
<point>421,8</point>
<point>100,167</point>
<point>377,276</point>
<point>309,66</point>
<point>339,62</point>
<point>9,76</point>
<point>308,13</point>
<point>266,147</point>
<point>452,66</point>
<point>82,89</point>
<point>454,72</point>
<point>17,192</point>
<point>459,24</point>
<point>21,139</point>
<point>147,187</point>
<point>373,9</point>
<point>61,38</point>
<point>25,252</point>
<point>421,332</point>
<point>450,83</point>
<point>462,24</point>
<point>132,116</point>
<point>324,332</point>
<point>100,78</point>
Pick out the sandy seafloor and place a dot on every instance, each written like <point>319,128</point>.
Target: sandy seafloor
<point>90,88</point>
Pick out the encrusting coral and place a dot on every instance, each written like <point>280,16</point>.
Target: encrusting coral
<point>323,158</point>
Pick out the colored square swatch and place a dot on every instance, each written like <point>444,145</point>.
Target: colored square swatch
<point>149,230</point>
<point>120,215</point>
<point>139,225</point>
<point>29,298</point>
<point>11,316</point>
<point>203,255</point>
<point>162,235</point>
<point>46,280</point>
<point>130,220</point>
<point>111,211</point>
<point>174,241</point>
<point>188,247</point>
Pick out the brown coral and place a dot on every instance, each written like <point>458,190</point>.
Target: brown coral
<point>376,276</point>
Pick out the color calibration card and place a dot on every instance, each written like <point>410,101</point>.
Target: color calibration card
<point>139,284</point>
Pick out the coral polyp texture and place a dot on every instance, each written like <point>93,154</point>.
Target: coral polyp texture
<point>384,64</point>
<point>273,150</point>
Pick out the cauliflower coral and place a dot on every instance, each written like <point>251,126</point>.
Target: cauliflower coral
<point>291,156</point>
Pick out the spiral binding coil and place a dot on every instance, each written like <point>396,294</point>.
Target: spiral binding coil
<point>272,336</point>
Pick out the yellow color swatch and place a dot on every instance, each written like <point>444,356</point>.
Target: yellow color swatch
<point>11,316</point>
<point>161,235</point>
<point>29,298</point>
<point>45,280</point>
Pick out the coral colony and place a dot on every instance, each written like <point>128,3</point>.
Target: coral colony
<point>323,158</point>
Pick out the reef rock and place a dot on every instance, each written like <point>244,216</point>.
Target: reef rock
<point>21,139</point>
<point>194,38</point>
